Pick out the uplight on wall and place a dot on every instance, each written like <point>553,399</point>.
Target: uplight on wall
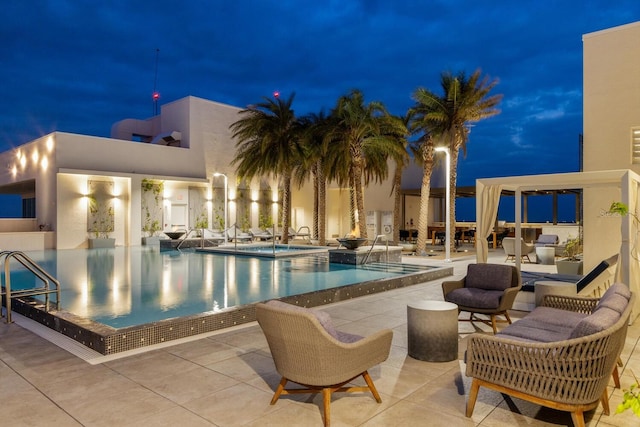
<point>49,144</point>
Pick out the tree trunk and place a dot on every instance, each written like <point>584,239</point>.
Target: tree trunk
<point>452,196</point>
<point>425,192</point>
<point>352,205</point>
<point>322,206</point>
<point>316,195</point>
<point>286,207</point>
<point>397,203</point>
<point>359,193</point>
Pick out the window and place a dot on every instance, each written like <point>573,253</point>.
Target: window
<point>29,207</point>
<point>635,145</point>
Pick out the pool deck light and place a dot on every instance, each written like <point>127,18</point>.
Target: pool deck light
<point>447,256</point>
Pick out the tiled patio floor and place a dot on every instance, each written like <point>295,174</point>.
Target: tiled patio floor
<point>227,380</point>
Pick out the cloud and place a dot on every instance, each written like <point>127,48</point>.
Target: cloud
<point>79,66</point>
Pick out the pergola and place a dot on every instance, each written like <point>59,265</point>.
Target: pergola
<point>599,189</point>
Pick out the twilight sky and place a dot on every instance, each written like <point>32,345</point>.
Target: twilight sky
<point>79,66</point>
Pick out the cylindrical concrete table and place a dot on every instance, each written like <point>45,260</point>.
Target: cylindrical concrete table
<point>545,255</point>
<point>432,328</point>
<point>551,287</point>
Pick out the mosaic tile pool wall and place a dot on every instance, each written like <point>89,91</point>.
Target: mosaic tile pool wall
<point>107,340</point>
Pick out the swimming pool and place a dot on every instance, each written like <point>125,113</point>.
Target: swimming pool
<point>268,250</point>
<point>114,292</point>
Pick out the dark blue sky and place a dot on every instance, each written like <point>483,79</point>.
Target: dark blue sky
<point>79,65</point>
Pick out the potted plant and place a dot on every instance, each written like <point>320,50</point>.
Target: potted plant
<point>151,228</point>
<point>100,213</point>
<point>101,221</point>
<point>202,223</point>
<point>572,264</point>
<point>151,211</point>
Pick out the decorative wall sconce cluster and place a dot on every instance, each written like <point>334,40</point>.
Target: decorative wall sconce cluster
<point>38,159</point>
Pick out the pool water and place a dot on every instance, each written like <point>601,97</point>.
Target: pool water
<point>269,250</point>
<point>129,286</point>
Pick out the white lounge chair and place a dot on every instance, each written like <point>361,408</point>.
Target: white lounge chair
<point>235,234</point>
<point>303,232</point>
<point>260,234</point>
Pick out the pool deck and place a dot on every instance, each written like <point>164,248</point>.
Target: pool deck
<point>228,378</point>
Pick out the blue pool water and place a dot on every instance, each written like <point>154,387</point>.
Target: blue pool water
<point>131,286</point>
<point>268,250</point>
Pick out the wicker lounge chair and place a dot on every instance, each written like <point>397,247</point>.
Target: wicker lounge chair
<point>569,374</point>
<point>487,289</point>
<point>307,350</point>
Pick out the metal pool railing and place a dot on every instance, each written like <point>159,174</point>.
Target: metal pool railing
<point>46,279</point>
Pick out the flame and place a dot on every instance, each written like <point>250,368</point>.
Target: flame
<point>355,233</point>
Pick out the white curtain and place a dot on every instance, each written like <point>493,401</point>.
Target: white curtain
<point>487,201</point>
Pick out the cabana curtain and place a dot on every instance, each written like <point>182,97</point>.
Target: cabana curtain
<point>489,199</point>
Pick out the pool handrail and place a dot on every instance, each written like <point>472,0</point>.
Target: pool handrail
<point>38,271</point>
<point>373,245</point>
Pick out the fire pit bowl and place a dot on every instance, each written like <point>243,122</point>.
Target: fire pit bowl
<point>174,235</point>
<point>352,242</point>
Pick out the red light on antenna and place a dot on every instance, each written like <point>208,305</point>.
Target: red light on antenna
<point>276,94</point>
<point>156,96</point>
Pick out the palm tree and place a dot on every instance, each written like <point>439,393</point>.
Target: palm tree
<point>268,143</point>
<point>447,118</point>
<point>423,151</point>
<point>360,139</point>
<point>401,159</point>
<point>313,127</point>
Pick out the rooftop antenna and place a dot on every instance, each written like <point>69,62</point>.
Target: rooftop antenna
<point>155,94</point>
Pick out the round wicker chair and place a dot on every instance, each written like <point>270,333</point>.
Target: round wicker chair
<point>307,350</point>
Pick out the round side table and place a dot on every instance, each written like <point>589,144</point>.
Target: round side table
<point>432,328</point>
<point>546,255</point>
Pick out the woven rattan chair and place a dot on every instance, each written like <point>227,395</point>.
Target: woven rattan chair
<point>488,289</point>
<point>307,350</point>
<point>569,375</point>
<point>509,246</point>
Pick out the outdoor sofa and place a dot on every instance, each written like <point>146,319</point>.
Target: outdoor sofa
<point>561,355</point>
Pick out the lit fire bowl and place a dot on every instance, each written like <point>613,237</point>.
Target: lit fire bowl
<point>174,235</point>
<point>352,243</point>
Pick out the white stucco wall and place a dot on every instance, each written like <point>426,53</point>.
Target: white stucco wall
<point>611,108</point>
<point>34,161</point>
<point>611,96</point>
<point>72,159</point>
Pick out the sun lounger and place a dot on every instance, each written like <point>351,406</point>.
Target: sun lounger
<point>235,234</point>
<point>303,233</point>
<point>260,234</point>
